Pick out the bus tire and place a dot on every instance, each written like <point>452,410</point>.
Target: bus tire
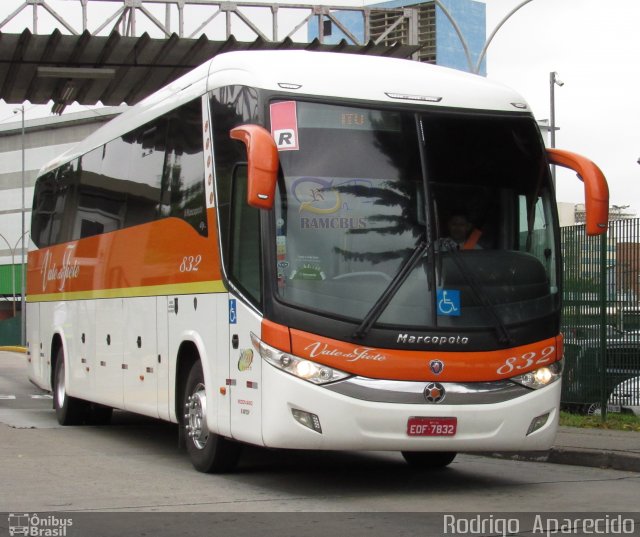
<point>208,452</point>
<point>69,410</point>
<point>429,459</point>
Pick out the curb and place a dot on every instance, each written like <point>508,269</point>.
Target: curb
<point>615,460</point>
<point>13,348</point>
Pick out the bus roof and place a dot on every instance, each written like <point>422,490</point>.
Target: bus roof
<point>370,78</point>
<point>329,74</point>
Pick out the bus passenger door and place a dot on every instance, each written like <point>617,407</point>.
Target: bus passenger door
<point>246,374</point>
<point>140,363</point>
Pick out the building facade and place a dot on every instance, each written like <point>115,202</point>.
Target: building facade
<point>43,139</point>
<point>439,40</point>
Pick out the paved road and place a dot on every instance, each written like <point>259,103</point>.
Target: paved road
<point>135,465</point>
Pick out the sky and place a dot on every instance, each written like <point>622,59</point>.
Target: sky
<point>593,45</point>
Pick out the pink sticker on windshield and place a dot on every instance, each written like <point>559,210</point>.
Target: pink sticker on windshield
<point>284,125</point>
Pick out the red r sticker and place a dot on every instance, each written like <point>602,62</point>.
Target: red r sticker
<point>284,125</point>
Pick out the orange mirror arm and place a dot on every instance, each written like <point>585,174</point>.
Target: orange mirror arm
<point>263,163</point>
<point>596,190</point>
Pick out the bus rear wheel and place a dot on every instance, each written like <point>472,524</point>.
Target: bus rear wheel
<point>429,459</point>
<point>69,410</point>
<point>209,452</point>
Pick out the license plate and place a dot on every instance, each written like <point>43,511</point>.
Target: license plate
<point>421,426</point>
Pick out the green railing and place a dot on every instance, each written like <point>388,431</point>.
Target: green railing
<point>601,318</point>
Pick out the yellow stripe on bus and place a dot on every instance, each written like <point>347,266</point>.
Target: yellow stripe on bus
<point>127,292</point>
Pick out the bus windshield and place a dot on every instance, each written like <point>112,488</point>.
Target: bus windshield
<point>363,188</point>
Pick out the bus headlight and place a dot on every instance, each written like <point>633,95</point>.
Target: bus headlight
<point>541,377</point>
<point>298,367</point>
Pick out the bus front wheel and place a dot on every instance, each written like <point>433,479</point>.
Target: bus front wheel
<point>69,410</point>
<point>429,459</point>
<point>209,452</point>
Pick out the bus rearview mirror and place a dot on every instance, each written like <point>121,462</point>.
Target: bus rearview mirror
<point>262,164</point>
<point>596,191</point>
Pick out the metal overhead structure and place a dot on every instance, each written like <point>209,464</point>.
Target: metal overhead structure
<point>128,52</point>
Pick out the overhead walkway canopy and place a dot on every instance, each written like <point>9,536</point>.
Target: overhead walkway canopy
<point>109,61</point>
<point>116,69</point>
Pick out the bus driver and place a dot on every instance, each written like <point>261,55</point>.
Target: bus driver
<point>463,233</point>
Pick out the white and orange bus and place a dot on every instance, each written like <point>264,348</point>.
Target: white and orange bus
<point>261,253</point>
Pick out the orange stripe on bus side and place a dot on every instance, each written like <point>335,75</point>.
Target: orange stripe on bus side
<point>167,252</point>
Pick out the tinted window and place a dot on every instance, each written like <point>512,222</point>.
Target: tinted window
<point>183,192</point>
<point>155,171</point>
<point>44,208</point>
<point>142,189</point>
<point>54,195</point>
<point>152,172</point>
<point>100,207</point>
<point>230,106</point>
<point>67,190</point>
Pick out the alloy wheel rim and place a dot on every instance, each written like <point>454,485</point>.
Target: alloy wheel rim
<point>195,417</point>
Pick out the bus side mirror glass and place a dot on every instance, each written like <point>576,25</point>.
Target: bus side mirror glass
<point>596,190</point>
<point>262,164</point>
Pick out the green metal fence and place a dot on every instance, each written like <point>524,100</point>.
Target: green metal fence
<point>601,318</point>
<point>10,280</point>
<point>10,331</point>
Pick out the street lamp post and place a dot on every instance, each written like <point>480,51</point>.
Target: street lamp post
<point>553,82</point>
<point>23,233</point>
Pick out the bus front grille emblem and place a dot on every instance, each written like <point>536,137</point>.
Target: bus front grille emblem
<point>434,392</point>
<point>436,366</point>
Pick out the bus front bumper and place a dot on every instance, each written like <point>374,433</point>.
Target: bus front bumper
<point>299,415</point>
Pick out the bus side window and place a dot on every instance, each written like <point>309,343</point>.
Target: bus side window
<point>44,206</point>
<point>100,204</point>
<point>183,191</point>
<point>67,191</point>
<point>54,194</point>
<point>145,172</point>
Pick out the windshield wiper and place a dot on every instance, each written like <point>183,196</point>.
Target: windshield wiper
<point>451,246</point>
<point>383,301</point>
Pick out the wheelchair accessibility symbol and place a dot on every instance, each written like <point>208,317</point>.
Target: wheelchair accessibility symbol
<point>233,312</point>
<point>448,302</point>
